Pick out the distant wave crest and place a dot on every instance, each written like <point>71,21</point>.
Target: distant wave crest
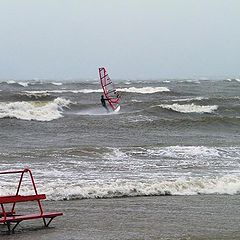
<point>234,79</point>
<point>144,90</point>
<point>28,83</point>
<point>65,91</point>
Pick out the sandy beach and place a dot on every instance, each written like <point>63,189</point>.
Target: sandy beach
<point>165,217</point>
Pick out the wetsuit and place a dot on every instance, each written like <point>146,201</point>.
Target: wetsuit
<point>103,101</point>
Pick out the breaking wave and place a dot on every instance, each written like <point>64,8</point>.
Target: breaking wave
<point>38,111</point>
<point>189,108</point>
<point>191,186</point>
<point>223,185</point>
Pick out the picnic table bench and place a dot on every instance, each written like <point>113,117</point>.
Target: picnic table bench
<point>10,218</point>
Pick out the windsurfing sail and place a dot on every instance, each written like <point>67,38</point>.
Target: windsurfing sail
<point>109,91</point>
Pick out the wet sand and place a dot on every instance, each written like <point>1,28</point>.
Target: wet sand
<point>164,217</point>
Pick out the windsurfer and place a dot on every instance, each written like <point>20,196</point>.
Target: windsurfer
<point>103,101</point>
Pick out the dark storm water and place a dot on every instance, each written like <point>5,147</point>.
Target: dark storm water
<point>171,137</point>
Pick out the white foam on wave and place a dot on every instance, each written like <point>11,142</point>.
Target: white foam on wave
<point>10,82</point>
<point>188,99</point>
<point>40,92</point>
<point>190,81</point>
<point>233,79</point>
<point>95,112</point>
<point>39,111</point>
<point>189,108</point>
<point>144,90</point>
<point>27,83</point>
<point>184,152</point>
<point>36,94</point>
<point>24,84</point>
<point>136,100</point>
<point>192,155</point>
<point>221,185</point>
<point>56,83</point>
<point>58,190</point>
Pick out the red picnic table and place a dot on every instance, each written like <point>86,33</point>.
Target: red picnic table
<point>10,217</point>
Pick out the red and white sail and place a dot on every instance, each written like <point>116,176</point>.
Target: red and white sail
<point>109,90</point>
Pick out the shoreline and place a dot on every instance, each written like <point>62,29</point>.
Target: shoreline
<point>212,217</point>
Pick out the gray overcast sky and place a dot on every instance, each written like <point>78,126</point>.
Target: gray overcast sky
<point>136,39</point>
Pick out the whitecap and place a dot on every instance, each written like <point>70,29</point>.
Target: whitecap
<point>24,84</point>
<point>56,83</point>
<point>38,111</point>
<point>144,90</point>
<point>189,108</point>
<point>11,82</point>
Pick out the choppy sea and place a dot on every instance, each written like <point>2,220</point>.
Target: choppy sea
<point>171,137</point>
